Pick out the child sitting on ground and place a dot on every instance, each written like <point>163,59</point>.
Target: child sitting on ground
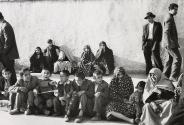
<point>21,94</point>
<point>101,95</point>
<point>65,90</point>
<point>5,83</point>
<point>44,94</point>
<point>137,101</point>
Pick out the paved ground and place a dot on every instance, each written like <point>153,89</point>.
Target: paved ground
<point>7,119</point>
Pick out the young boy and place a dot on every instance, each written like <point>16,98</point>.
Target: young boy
<point>5,83</point>
<point>21,94</point>
<point>136,99</point>
<point>65,90</point>
<point>82,98</point>
<point>101,95</point>
<point>44,93</point>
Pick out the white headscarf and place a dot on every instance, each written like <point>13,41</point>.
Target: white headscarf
<point>162,83</point>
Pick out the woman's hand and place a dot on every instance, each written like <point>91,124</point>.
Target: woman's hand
<point>156,108</point>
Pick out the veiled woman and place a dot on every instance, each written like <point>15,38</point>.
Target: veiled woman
<point>87,59</point>
<point>105,58</point>
<point>158,97</point>
<point>120,89</point>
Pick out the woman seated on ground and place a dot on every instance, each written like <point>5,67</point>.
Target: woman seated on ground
<point>87,58</point>
<point>37,61</point>
<point>120,89</point>
<point>158,97</point>
<point>104,59</point>
<point>65,61</point>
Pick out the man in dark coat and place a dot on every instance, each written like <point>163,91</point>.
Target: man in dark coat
<point>8,47</point>
<point>152,36</point>
<point>51,55</point>
<point>172,65</point>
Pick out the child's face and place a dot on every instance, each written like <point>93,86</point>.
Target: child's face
<point>63,77</point>
<point>97,78</point>
<point>140,89</point>
<point>6,75</point>
<point>27,76</point>
<point>46,74</point>
<point>79,80</point>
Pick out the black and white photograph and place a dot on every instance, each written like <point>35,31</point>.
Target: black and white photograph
<point>113,62</point>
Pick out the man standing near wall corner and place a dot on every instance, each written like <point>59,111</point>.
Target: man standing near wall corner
<point>152,36</point>
<point>172,65</point>
<point>8,47</point>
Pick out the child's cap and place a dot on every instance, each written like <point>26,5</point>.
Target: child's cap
<point>141,84</point>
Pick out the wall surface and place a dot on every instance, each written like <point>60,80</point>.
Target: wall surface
<point>77,23</point>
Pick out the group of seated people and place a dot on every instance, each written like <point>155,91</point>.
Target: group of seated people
<point>155,102</point>
<point>57,59</point>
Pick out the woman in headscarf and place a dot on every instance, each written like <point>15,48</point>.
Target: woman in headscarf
<point>120,89</point>
<point>87,59</point>
<point>104,58</point>
<point>37,61</point>
<point>66,61</point>
<point>158,97</point>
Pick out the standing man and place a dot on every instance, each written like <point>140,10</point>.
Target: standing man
<point>8,47</point>
<point>173,62</point>
<point>152,36</point>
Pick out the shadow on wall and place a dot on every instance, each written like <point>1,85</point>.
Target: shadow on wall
<point>129,65</point>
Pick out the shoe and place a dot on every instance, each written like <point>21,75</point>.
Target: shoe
<point>78,120</point>
<point>67,119</point>
<point>14,112</point>
<point>96,118</point>
<point>47,112</point>
<point>28,111</point>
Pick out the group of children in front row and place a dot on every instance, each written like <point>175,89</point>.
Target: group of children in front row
<point>78,98</point>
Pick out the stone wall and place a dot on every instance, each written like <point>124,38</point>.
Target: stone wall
<point>77,23</point>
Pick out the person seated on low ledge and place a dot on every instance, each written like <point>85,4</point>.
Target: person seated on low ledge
<point>87,58</point>
<point>66,61</point>
<point>104,59</point>
<point>37,61</point>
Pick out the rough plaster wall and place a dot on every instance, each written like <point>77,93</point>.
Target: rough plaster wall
<point>118,22</point>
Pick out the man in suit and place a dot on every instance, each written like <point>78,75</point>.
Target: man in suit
<point>173,62</point>
<point>152,36</point>
<point>8,47</point>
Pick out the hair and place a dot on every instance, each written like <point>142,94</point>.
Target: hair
<point>66,72</point>
<point>141,84</point>
<point>87,47</point>
<point>49,41</point>
<point>80,75</point>
<point>6,70</point>
<point>39,48</point>
<point>23,70</point>
<point>103,43</point>
<point>45,68</point>
<point>172,6</point>
<point>1,16</point>
<point>98,72</point>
